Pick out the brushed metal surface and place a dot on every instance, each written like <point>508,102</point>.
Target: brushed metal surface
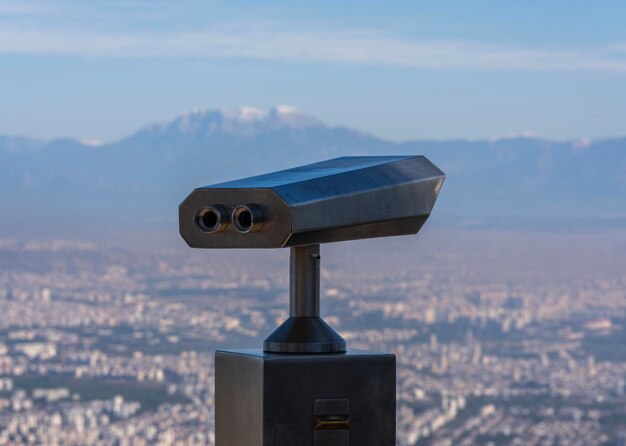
<point>293,390</point>
<point>340,199</point>
<point>304,335</point>
<point>238,399</point>
<point>304,281</point>
<point>304,331</point>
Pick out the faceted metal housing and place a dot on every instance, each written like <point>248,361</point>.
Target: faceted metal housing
<point>341,199</point>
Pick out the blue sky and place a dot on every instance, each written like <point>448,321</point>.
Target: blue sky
<point>402,70</point>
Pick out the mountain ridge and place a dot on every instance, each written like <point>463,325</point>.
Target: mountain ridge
<point>519,180</point>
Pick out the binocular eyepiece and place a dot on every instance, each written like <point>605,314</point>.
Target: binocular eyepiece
<point>215,218</point>
<point>341,199</point>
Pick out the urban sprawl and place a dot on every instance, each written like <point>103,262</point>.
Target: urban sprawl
<point>500,338</point>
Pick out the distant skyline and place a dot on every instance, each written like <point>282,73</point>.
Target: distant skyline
<point>436,70</point>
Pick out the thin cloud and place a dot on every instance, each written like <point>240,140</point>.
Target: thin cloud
<point>275,41</point>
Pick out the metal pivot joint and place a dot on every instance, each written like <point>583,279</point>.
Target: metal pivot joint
<point>305,331</point>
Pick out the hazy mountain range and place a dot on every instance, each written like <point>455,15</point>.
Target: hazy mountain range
<point>137,182</point>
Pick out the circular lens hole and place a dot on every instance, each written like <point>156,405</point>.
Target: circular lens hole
<point>247,218</point>
<point>244,219</point>
<point>209,219</point>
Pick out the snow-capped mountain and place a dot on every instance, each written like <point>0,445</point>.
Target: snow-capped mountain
<point>241,123</point>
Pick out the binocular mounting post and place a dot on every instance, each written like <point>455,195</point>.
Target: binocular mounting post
<point>304,331</point>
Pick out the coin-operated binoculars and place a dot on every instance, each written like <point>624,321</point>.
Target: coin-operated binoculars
<point>305,388</point>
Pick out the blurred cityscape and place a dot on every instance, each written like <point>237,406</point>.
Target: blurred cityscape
<point>501,338</point>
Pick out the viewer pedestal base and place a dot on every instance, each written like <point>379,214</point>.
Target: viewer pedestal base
<point>327,399</point>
